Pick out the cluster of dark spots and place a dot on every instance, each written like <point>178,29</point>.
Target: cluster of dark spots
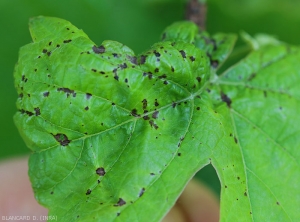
<point>157,54</point>
<point>245,194</point>
<point>153,124</point>
<point>121,202</point>
<point>143,59</point>
<point>100,171</point>
<point>198,79</point>
<point>24,79</point>
<point>123,66</point>
<point>132,59</point>
<point>163,76</point>
<point>93,70</point>
<point>98,50</point>
<point>67,41</point>
<point>37,111</point>
<point>26,112</point>
<point>142,192</point>
<point>265,93</point>
<point>145,103</point>
<point>156,70</point>
<point>235,140</point>
<point>46,94</point>
<point>198,108</point>
<point>166,82</point>
<point>182,54</point>
<point>192,58</point>
<point>174,104</point>
<point>68,91</point>
<point>51,192</point>
<point>88,95</point>
<point>88,192</point>
<point>62,139</point>
<point>252,76</point>
<point>226,99</point>
<point>155,114</point>
<point>134,113</point>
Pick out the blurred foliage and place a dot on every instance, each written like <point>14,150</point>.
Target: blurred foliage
<point>136,23</point>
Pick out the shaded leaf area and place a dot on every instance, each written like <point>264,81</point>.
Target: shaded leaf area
<point>217,46</point>
<point>117,136</point>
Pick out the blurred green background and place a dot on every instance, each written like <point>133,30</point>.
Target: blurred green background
<point>136,23</point>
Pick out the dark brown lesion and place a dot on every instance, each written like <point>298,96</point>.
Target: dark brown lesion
<point>226,99</point>
<point>121,202</point>
<point>62,139</point>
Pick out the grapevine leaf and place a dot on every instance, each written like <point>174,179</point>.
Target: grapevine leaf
<point>117,136</point>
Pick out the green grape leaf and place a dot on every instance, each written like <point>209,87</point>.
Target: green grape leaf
<point>116,137</point>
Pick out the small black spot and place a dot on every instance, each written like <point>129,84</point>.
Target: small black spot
<point>142,192</point>
<point>238,178</point>
<point>172,69</point>
<point>166,82</point>
<point>101,72</point>
<point>62,139</point>
<point>156,103</point>
<point>115,55</point>
<point>21,95</point>
<point>214,63</point>
<point>37,111</point>
<point>152,124</point>
<point>146,117</point>
<point>58,45</point>
<point>88,95</point>
<point>265,93</point>
<point>226,99</point>
<point>245,194</point>
<point>277,203</point>
<point>68,91</point>
<point>26,112</point>
<point>182,54</point>
<point>94,70</point>
<point>134,113</point>
<point>49,53</point>
<point>163,76</point>
<point>179,154</point>
<point>152,174</point>
<point>198,108</point>
<point>100,171</point>
<point>118,214</point>
<point>132,59</point>
<point>121,202</point>
<point>143,59</point>
<point>126,80</point>
<point>68,29</point>
<point>46,94</point>
<point>68,41</point>
<point>45,51</point>
<point>50,43</point>
<point>86,108</point>
<point>157,54</point>
<point>88,192</point>
<point>235,140</point>
<point>116,77</point>
<point>174,104</point>
<point>192,58</point>
<point>198,79</point>
<point>225,186</point>
<point>155,115</point>
<point>123,66</point>
<point>156,70</point>
<point>98,50</point>
<point>98,181</point>
<point>252,76</point>
<point>144,104</point>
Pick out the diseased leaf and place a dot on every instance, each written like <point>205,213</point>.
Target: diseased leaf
<point>117,136</point>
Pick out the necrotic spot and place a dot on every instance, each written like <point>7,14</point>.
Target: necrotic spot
<point>226,99</point>
<point>68,41</point>
<point>37,111</point>
<point>182,54</point>
<point>121,202</point>
<point>143,59</point>
<point>88,192</point>
<point>142,192</point>
<point>155,115</point>
<point>100,171</point>
<point>88,95</point>
<point>62,139</point>
<point>98,50</point>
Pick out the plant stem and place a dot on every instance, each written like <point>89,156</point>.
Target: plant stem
<point>196,12</point>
